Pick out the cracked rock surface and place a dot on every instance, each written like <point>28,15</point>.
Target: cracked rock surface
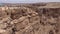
<point>25,20</point>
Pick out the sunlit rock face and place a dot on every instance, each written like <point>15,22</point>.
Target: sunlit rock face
<point>27,19</point>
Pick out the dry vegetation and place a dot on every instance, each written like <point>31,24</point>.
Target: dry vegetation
<point>31,19</point>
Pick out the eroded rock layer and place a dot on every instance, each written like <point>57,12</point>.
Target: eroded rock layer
<point>27,20</point>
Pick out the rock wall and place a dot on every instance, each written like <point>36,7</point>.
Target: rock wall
<point>30,21</point>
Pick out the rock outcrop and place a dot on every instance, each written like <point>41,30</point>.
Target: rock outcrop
<point>30,20</point>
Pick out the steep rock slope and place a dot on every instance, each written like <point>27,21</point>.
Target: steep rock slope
<point>30,20</point>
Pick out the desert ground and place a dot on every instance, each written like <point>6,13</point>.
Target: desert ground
<point>36,18</point>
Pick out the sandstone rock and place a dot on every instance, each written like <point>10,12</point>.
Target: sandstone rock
<point>30,20</point>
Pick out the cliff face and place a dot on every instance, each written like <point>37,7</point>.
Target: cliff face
<point>30,20</point>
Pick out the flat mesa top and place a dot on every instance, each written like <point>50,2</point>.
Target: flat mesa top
<point>38,5</point>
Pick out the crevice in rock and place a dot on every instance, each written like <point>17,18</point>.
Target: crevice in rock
<point>51,32</point>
